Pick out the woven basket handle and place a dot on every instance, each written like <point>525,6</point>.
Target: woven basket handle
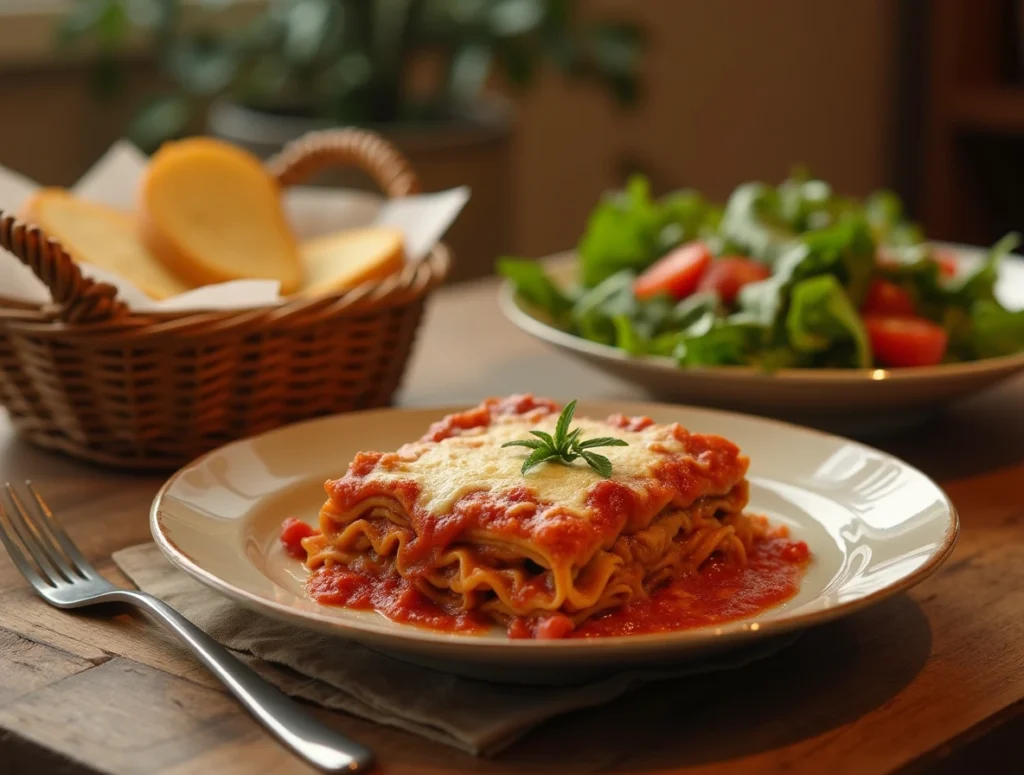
<point>317,151</point>
<point>80,299</point>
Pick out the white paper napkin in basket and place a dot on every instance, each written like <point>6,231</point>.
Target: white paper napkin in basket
<point>478,717</point>
<point>114,181</point>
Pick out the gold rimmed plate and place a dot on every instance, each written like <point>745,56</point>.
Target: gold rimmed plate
<point>856,402</point>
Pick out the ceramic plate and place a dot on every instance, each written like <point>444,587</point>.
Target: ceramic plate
<point>850,401</point>
<point>874,525</point>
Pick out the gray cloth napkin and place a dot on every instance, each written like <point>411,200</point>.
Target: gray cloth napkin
<point>478,717</point>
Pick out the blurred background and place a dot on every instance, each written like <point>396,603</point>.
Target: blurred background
<point>540,105</point>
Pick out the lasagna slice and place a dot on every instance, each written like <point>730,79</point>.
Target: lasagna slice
<point>452,517</point>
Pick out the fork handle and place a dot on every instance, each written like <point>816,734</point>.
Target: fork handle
<point>313,741</point>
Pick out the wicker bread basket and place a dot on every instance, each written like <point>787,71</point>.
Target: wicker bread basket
<point>86,376</point>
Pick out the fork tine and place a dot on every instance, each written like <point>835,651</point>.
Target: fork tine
<point>7,536</point>
<point>57,532</point>
<point>38,546</point>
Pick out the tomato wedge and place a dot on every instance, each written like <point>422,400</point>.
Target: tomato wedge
<point>727,275</point>
<point>677,273</point>
<point>947,262</point>
<point>886,298</point>
<point>905,341</point>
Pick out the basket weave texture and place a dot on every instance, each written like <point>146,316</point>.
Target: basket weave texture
<point>87,377</point>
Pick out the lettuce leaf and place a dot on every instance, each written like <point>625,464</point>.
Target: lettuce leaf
<point>980,284</point>
<point>532,283</point>
<point>629,230</point>
<point>996,331</point>
<point>821,318</point>
<point>845,250</point>
<point>751,225</point>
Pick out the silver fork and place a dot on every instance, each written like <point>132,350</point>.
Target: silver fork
<point>65,579</point>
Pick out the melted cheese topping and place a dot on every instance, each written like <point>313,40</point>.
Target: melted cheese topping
<point>475,461</point>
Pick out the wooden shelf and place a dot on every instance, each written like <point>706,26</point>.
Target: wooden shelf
<point>993,109</point>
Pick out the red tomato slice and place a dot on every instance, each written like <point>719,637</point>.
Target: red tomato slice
<point>727,275</point>
<point>944,258</point>
<point>947,262</point>
<point>903,341</point>
<point>886,298</point>
<point>676,273</point>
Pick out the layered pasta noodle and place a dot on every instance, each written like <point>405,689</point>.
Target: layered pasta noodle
<point>453,516</point>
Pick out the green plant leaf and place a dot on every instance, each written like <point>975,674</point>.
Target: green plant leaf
<point>822,318</point>
<point>599,463</point>
<point>546,438</point>
<point>616,48</point>
<point>996,331</point>
<point>562,426</point>
<point>202,65</point>
<point>468,71</point>
<point>533,284</point>
<point>310,24</point>
<point>573,438</point>
<point>508,18</point>
<point>528,443</point>
<point>162,120</point>
<point>602,441</point>
<point>537,457</point>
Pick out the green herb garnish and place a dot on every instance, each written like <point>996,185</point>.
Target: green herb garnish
<point>565,446</point>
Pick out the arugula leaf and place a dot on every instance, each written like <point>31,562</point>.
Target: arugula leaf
<point>594,310</point>
<point>884,213</point>
<point>980,284</point>
<point>533,284</point>
<point>822,318</point>
<point>622,233</point>
<point>751,225</point>
<point>845,251</point>
<point>628,337</point>
<point>996,331</point>
<point>714,341</point>
<point>630,229</point>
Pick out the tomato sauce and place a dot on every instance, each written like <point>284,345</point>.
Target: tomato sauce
<point>713,595</point>
<point>388,594</point>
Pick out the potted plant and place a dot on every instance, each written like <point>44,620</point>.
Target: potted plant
<point>415,70</point>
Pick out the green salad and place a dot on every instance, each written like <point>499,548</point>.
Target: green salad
<point>790,276</point>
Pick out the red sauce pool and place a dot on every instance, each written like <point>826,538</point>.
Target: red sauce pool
<point>715,594</point>
<point>390,595</point>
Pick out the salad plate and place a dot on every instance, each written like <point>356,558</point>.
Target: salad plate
<point>830,312</point>
<point>857,402</point>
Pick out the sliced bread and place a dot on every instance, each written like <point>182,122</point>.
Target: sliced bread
<point>342,260</point>
<point>212,213</point>
<point>104,237</point>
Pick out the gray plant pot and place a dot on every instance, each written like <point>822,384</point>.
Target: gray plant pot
<point>473,149</point>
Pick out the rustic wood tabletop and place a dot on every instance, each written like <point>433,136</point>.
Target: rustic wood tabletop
<point>930,681</point>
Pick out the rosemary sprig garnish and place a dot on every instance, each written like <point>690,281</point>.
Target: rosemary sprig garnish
<point>565,446</point>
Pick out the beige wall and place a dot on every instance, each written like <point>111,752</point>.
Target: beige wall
<point>736,89</point>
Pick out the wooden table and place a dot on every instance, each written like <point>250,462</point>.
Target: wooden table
<point>929,681</point>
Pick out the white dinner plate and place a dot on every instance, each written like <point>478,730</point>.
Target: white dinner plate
<point>857,402</point>
<point>874,525</point>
